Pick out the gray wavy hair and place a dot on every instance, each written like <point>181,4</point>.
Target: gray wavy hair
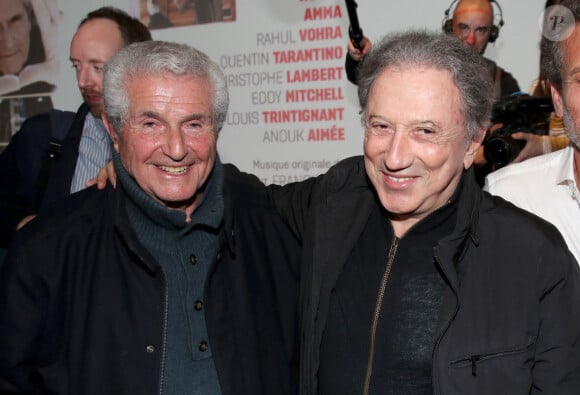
<point>157,58</point>
<point>440,51</point>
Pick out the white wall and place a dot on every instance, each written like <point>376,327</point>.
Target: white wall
<point>244,144</point>
<point>516,50</point>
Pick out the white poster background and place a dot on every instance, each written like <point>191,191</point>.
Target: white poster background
<point>269,38</point>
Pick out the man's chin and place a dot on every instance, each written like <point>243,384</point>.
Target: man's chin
<point>11,65</point>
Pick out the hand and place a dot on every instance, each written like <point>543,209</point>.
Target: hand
<point>359,54</point>
<point>534,145</point>
<point>107,173</point>
<point>479,158</point>
<point>24,221</point>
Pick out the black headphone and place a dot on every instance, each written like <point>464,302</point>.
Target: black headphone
<point>493,32</point>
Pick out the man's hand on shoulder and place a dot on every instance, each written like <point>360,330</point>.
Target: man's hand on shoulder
<point>24,221</point>
<point>106,173</point>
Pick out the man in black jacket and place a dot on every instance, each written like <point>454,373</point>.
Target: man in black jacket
<point>52,155</point>
<point>414,280</point>
<point>180,281</point>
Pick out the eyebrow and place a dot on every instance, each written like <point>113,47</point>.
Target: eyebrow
<point>413,123</point>
<point>467,25</point>
<point>189,117</point>
<point>91,61</point>
<point>575,70</point>
<point>16,17</point>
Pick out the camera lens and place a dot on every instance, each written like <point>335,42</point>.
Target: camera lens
<point>501,150</point>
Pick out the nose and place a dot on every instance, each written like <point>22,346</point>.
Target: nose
<point>175,145</point>
<point>470,39</point>
<point>398,155</point>
<point>84,77</point>
<point>6,38</point>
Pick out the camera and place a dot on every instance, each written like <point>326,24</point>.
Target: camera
<point>520,113</point>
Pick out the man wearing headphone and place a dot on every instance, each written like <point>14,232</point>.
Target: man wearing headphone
<point>472,23</point>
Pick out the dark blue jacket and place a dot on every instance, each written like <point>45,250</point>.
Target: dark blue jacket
<point>21,163</point>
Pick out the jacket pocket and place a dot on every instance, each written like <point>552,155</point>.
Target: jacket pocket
<point>473,360</point>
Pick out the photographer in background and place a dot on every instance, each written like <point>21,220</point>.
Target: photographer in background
<point>520,127</point>
<point>518,114</point>
<point>473,24</point>
<point>534,144</point>
<point>547,185</point>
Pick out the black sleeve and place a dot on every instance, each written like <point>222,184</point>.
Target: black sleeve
<point>509,84</point>
<point>20,163</point>
<point>351,68</point>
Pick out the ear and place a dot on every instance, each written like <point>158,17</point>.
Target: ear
<point>557,100</point>
<point>114,136</point>
<point>472,148</point>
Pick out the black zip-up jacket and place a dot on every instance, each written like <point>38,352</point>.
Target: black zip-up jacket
<point>510,317</point>
<point>82,303</point>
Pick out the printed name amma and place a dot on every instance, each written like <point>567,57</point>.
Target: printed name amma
<point>318,13</point>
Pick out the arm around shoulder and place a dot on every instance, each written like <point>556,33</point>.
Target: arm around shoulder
<point>293,201</point>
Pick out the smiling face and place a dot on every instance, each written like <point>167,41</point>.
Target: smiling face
<point>92,46</point>
<point>415,142</point>
<point>168,142</point>
<point>14,36</point>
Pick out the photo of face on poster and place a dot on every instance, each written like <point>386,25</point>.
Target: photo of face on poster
<point>28,61</point>
<point>160,14</point>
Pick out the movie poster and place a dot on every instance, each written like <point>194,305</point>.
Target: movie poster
<point>163,14</point>
<point>29,63</point>
<point>292,113</point>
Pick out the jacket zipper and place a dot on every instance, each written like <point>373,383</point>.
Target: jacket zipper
<point>476,358</point>
<point>164,334</point>
<point>378,305</point>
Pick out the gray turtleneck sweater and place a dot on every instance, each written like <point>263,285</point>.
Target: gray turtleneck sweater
<point>185,252</point>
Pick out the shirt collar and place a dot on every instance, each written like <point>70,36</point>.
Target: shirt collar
<point>95,126</point>
<point>565,174</point>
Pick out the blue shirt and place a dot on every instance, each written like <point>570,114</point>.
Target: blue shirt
<point>95,151</point>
